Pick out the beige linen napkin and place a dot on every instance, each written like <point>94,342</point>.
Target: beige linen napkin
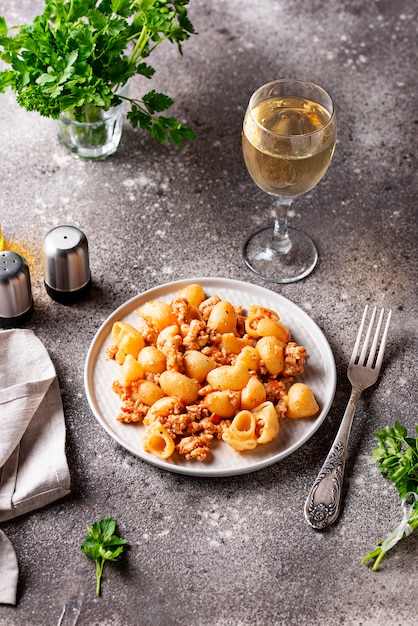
<point>33,465</point>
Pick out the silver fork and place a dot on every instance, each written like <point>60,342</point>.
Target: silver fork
<point>323,503</point>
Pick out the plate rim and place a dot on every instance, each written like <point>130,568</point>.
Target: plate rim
<point>128,306</point>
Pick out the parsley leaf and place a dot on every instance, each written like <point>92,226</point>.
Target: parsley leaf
<point>78,52</point>
<point>162,128</point>
<point>397,457</point>
<point>102,544</point>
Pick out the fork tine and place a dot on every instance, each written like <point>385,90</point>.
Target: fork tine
<point>383,341</point>
<point>361,359</point>
<point>375,340</point>
<point>363,354</point>
<point>359,334</point>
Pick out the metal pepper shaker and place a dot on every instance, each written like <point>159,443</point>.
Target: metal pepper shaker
<point>66,264</point>
<point>16,302</point>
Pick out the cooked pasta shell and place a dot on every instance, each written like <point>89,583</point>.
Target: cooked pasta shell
<point>223,318</point>
<point>253,394</point>
<point>249,357</point>
<point>232,344</point>
<point>128,339</point>
<point>301,401</point>
<point>233,377</point>
<point>254,315</point>
<point>152,360</point>
<point>158,441</point>
<point>271,426</point>
<point>197,365</point>
<point>267,327</point>
<point>149,392</point>
<point>130,371</point>
<point>157,313</point>
<point>193,293</point>
<point>168,337</point>
<point>258,311</point>
<point>223,403</point>
<point>240,435</point>
<point>271,351</point>
<point>163,407</point>
<point>119,329</point>
<point>179,385</point>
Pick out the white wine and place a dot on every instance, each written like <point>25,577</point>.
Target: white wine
<point>288,144</point>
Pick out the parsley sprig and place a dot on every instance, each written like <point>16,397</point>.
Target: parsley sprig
<point>102,544</point>
<point>397,457</point>
<point>78,52</point>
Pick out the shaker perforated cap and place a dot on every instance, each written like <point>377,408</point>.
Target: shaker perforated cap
<point>16,302</point>
<point>66,261</point>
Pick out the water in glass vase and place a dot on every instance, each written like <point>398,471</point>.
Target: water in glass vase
<point>295,152</point>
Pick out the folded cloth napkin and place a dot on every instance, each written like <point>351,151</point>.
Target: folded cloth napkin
<point>33,465</point>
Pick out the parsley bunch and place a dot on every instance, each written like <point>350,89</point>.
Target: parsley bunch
<point>102,544</point>
<point>397,456</point>
<point>79,52</point>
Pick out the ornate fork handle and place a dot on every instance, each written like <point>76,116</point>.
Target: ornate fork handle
<point>323,503</point>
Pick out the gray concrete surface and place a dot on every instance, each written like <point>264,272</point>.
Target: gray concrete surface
<point>231,551</point>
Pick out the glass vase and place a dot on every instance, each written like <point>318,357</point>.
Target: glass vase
<point>91,132</point>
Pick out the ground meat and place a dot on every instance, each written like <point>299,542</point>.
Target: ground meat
<point>205,426</point>
<point>281,407</point>
<point>259,425</point>
<point>196,336</point>
<point>207,305</point>
<point>132,410</point>
<point>294,358</point>
<point>227,358</point>
<point>195,447</point>
<point>177,425</point>
<point>223,425</point>
<point>180,308</point>
<point>170,343</point>
<point>197,411</point>
<point>203,391</point>
<point>124,393</point>
<point>214,353</point>
<point>277,394</point>
<point>275,390</point>
<point>112,352</point>
<point>149,333</point>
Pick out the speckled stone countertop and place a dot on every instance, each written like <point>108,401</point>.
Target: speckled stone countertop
<point>229,551</point>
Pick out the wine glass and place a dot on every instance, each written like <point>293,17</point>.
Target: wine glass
<point>288,139</point>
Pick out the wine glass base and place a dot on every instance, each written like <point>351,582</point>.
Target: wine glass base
<point>279,267</point>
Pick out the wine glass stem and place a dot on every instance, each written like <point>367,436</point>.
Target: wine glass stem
<point>281,241</point>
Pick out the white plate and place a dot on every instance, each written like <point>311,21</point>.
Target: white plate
<point>320,374</point>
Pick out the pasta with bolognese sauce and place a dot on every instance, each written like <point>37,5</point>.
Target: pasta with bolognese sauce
<point>199,369</point>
